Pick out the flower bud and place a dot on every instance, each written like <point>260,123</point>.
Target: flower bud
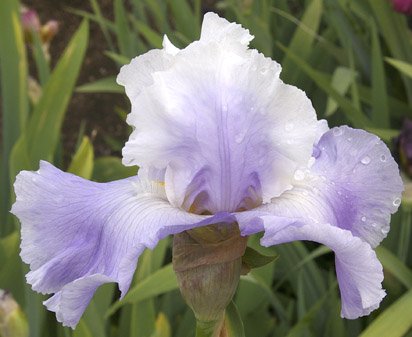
<point>30,21</point>
<point>13,322</point>
<point>32,26</point>
<point>208,262</point>
<point>48,31</point>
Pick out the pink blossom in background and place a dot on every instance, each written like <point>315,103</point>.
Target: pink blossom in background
<point>402,6</point>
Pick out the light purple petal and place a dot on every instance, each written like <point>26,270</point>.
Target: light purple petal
<point>361,183</point>
<point>358,270</point>
<point>228,130</point>
<point>353,183</point>
<point>70,302</point>
<point>343,199</point>
<point>78,234</point>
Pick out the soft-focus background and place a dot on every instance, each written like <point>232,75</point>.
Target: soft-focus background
<point>60,102</point>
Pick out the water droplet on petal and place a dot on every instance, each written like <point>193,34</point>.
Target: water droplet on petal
<point>385,230</point>
<point>349,139</point>
<point>363,218</point>
<point>396,202</point>
<point>252,108</point>
<point>299,175</point>
<point>289,126</point>
<point>366,160</point>
<point>383,158</point>
<point>337,132</point>
<point>374,225</point>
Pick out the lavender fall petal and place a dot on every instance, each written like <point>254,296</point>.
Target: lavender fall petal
<point>78,234</point>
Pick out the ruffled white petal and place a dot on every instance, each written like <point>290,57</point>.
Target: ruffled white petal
<point>222,124</point>
<point>217,29</point>
<point>138,74</point>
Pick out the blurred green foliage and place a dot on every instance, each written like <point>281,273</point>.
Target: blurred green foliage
<point>354,60</point>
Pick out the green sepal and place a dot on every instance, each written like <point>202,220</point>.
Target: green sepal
<point>253,259</point>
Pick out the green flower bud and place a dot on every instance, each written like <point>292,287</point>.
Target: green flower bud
<point>208,264</point>
<point>13,322</point>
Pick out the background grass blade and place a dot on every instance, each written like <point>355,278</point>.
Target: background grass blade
<point>395,266</point>
<point>82,162</point>
<point>13,72</point>
<point>43,130</point>
<point>161,281</point>
<point>107,84</point>
<point>354,115</point>
<point>380,109</point>
<point>302,42</point>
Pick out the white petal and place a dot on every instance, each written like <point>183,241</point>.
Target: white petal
<point>217,29</point>
<point>223,117</point>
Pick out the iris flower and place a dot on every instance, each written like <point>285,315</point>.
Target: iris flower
<point>219,139</point>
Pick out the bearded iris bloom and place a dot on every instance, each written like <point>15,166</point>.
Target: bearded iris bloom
<point>219,139</point>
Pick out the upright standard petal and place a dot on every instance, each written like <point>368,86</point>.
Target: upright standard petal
<point>343,200</point>
<point>228,130</point>
<point>77,234</point>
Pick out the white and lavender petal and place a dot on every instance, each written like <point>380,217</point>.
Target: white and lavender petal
<point>228,130</point>
<point>78,234</point>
